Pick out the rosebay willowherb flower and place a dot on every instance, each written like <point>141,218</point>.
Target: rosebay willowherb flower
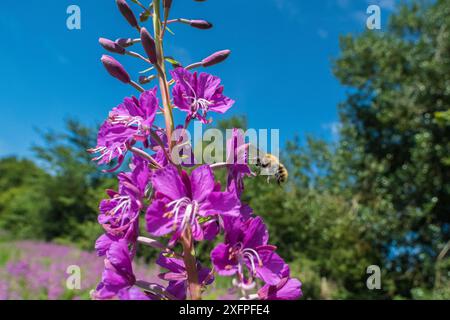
<point>182,205</point>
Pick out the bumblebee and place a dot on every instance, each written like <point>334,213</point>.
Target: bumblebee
<point>272,167</point>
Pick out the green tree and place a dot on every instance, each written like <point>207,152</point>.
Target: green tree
<point>22,200</point>
<point>393,147</point>
<point>75,185</point>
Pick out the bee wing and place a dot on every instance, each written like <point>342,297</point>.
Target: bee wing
<point>254,154</point>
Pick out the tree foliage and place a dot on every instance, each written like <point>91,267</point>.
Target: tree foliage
<point>395,144</point>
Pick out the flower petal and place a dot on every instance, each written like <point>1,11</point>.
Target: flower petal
<point>223,203</point>
<point>288,289</point>
<point>202,182</point>
<point>220,259</point>
<point>207,85</point>
<point>133,294</point>
<point>256,233</point>
<point>272,268</point>
<point>119,256</point>
<point>171,264</point>
<point>103,244</point>
<point>149,105</point>
<point>177,289</point>
<point>158,224</point>
<point>168,182</point>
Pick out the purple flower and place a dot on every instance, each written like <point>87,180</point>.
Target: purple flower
<point>138,113</point>
<point>118,273</point>
<point>140,175</point>
<point>113,142</point>
<point>119,214</point>
<point>246,246</point>
<point>133,293</point>
<point>19,269</point>
<point>128,123</point>
<point>160,152</point>
<point>182,201</point>
<point>185,154</point>
<point>237,162</point>
<point>104,242</point>
<point>177,276</point>
<point>287,289</point>
<point>246,212</point>
<point>197,95</point>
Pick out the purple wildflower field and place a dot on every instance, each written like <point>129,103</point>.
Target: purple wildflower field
<point>37,271</point>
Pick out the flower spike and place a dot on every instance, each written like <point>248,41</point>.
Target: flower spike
<point>181,206</point>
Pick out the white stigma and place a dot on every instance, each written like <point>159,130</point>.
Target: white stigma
<point>197,103</point>
<point>190,208</point>
<point>123,207</point>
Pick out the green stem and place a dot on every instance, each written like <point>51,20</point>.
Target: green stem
<point>194,286</point>
<point>136,86</point>
<point>186,240</point>
<point>160,66</point>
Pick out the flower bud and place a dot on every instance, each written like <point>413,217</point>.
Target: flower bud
<point>111,46</point>
<point>143,16</point>
<point>167,4</point>
<point>145,80</point>
<point>200,24</point>
<point>125,42</point>
<point>127,13</point>
<point>115,69</point>
<point>149,45</point>
<point>215,58</point>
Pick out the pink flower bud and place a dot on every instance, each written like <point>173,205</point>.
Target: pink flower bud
<point>149,45</point>
<point>125,42</point>
<point>111,46</point>
<point>127,13</point>
<point>115,69</point>
<point>216,58</point>
<point>200,24</point>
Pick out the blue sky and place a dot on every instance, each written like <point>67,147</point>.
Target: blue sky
<point>279,72</point>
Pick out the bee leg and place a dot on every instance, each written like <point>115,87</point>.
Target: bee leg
<point>278,178</point>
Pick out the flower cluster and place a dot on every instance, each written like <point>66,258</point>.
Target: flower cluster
<point>182,205</point>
